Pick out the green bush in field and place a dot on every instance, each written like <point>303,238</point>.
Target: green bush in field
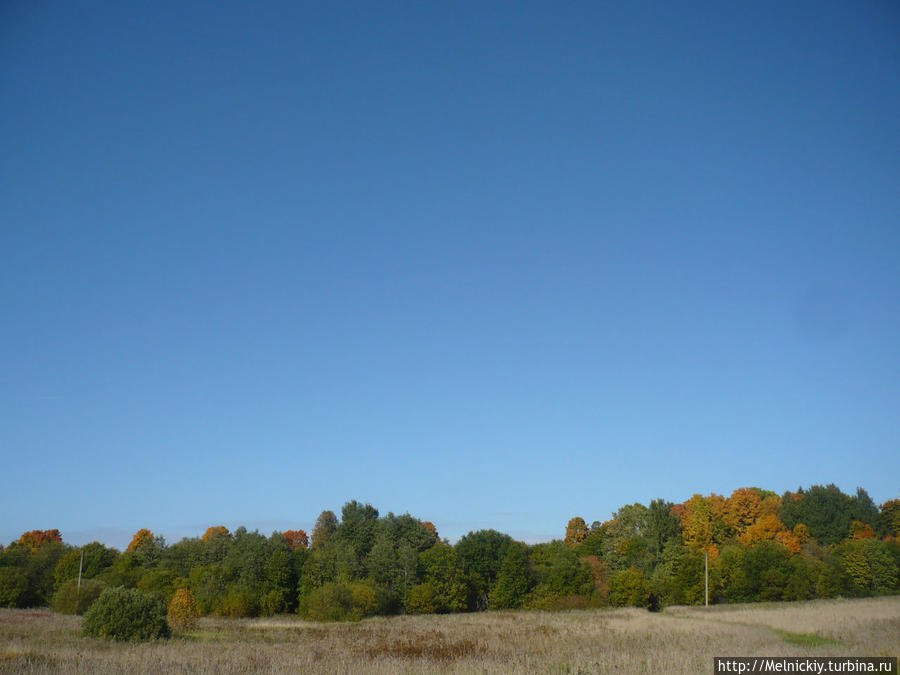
<point>126,614</point>
<point>420,600</point>
<point>69,599</point>
<point>341,602</point>
<point>13,587</point>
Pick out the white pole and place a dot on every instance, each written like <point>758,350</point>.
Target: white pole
<point>80,565</point>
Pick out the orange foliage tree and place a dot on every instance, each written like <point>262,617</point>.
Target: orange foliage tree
<point>742,509</point>
<point>36,538</point>
<point>428,525</point>
<point>860,530</point>
<point>142,538</point>
<point>213,531</point>
<point>296,539</point>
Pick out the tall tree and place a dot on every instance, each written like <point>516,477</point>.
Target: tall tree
<point>325,526</point>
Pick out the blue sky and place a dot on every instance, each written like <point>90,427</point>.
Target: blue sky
<point>494,264</point>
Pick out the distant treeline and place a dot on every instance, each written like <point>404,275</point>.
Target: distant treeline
<point>815,543</point>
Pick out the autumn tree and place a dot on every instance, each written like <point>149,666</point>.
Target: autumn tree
<point>431,528</point>
<point>742,509</point>
<point>36,538</point>
<point>296,539</point>
<point>216,531</point>
<point>576,531</point>
<point>182,613</point>
<point>860,530</point>
<point>703,523</point>
<point>142,539</point>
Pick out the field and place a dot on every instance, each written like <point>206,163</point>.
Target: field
<point>681,639</point>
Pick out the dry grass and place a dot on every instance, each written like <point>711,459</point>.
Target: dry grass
<point>681,639</point>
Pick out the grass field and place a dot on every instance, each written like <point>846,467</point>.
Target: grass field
<point>681,639</point>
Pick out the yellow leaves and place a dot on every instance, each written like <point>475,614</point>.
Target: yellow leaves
<point>183,613</point>
<point>703,521</point>
<point>576,531</point>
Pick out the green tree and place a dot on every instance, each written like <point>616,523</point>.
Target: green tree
<point>13,587</point>
<point>629,588</point>
<point>325,526</point>
<point>443,570</point>
<point>97,559</point>
<point>357,528</point>
<point>481,554</point>
<point>516,579</point>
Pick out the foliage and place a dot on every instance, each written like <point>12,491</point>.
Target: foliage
<point>629,587</point>
<point>516,579</point>
<point>97,559</point>
<point>340,602</point>
<point>576,531</point>
<point>481,555</point>
<point>296,539</point>
<point>126,614</point>
<point>215,531</point>
<point>325,526</point>
<point>69,599</point>
<point>142,539</point>
<point>827,512</point>
<point>36,538</point>
<point>442,568</point>
<point>13,587</point>
<point>182,613</point>
<point>759,546</point>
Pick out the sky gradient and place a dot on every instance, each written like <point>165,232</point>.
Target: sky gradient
<point>492,264</point>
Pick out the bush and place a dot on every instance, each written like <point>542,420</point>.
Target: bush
<point>126,614</point>
<point>341,602</point>
<point>239,603</point>
<point>69,599</point>
<point>183,613</point>
<point>628,587</point>
<point>13,587</point>
<point>420,600</point>
<point>272,603</point>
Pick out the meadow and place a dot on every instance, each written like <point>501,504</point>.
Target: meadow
<point>677,640</point>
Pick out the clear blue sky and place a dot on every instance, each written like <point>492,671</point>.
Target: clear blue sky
<point>494,264</point>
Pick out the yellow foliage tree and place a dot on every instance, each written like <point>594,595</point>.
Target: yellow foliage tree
<point>742,509</point>
<point>576,531</point>
<point>703,522</point>
<point>183,613</point>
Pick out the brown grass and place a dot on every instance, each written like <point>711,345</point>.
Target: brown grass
<point>681,639</point>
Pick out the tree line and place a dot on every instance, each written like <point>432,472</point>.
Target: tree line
<point>814,543</point>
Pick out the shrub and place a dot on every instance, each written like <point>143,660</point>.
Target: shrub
<point>420,600</point>
<point>13,587</point>
<point>183,613</point>
<point>239,603</point>
<point>69,599</point>
<point>628,587</point>
<point>126,614</point>
<point>342,602</point>
<point>272,603</point>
